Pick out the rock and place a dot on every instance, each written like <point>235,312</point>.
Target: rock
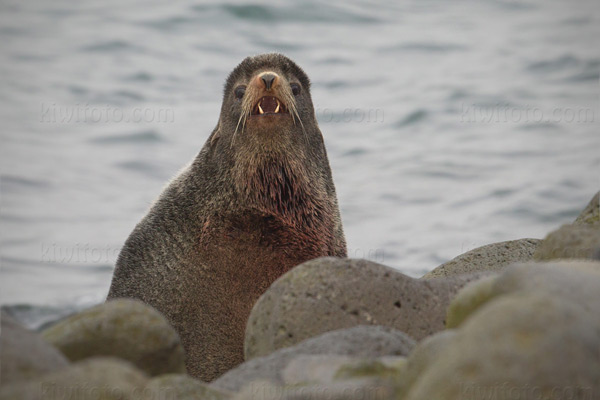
<point>123,328</point>
<point>331,293</point>
<point>326,368</point>
<point>531,344</point>
<point>313,368</point>
<point>591,214</point>
<point>570,241</point>
<point>492,258</point>
<point>23,354</point>
<point>468,299</point>
<point>359,341</point>
<point>568,279</point>
<point>424,355</point>
<point>533,332</point>
<point>182,387</point>
<point>578,240</point>
<point>374,368</point>
<point>93,379</point>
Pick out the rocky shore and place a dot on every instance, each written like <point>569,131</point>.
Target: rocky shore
<point>511,320</point>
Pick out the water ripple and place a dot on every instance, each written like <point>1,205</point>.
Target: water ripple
<point>425,47</point>
<point>144,168</point>
<point>143,137</point>
<point>112,46</point>
<point>14,182</point>
<point>412,118</point>
<point>558,64</point>
<point>141,76</point>
<point>298,14</point>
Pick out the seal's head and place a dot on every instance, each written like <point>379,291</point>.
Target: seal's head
<point>266,103</point>
<point>269,137</point>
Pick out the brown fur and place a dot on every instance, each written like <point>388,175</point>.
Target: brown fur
<point>257,200</point>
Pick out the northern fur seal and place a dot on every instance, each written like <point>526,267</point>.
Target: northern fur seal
<point>256,201</point>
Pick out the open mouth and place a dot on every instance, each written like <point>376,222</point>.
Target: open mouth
<point>269,105</point>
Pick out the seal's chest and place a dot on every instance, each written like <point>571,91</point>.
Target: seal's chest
<point>257,236</point>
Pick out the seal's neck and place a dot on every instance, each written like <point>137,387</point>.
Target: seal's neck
<point>281,187</point>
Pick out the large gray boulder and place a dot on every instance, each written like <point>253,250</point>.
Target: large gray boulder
<point>359,341</point>
<point>124,328</point>
<point>533,331</point>
<point>23,354</point>
<point>93,379</point>
<point>331,293</point>
<point>492,258</point>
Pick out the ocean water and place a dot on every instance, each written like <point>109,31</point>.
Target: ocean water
<point>449,125</point>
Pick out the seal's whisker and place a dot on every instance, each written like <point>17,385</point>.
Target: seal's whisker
<point>302,126</point>
<point>246,109</point>
<point>293,109</point>
<point>244,121</point>
<point>295,115</point>
<point>236,128</point>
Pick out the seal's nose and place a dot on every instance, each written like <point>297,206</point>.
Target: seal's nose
<point>268,78</point>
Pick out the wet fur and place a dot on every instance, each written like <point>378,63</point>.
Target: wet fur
<point>252,205</point>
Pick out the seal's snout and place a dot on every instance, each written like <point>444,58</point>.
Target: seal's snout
<point>268,94</point>
<point>268,78</point>
<point>267,81</point>
<point>267,98</point>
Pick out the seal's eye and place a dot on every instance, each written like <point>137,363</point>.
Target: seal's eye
<point>295,89</point>
<point>239,91</point>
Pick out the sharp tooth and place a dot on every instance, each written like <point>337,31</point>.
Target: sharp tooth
<point>260,110</point>
<point>277,109</point>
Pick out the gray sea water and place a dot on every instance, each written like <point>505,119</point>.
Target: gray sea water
<point>449,125</point>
